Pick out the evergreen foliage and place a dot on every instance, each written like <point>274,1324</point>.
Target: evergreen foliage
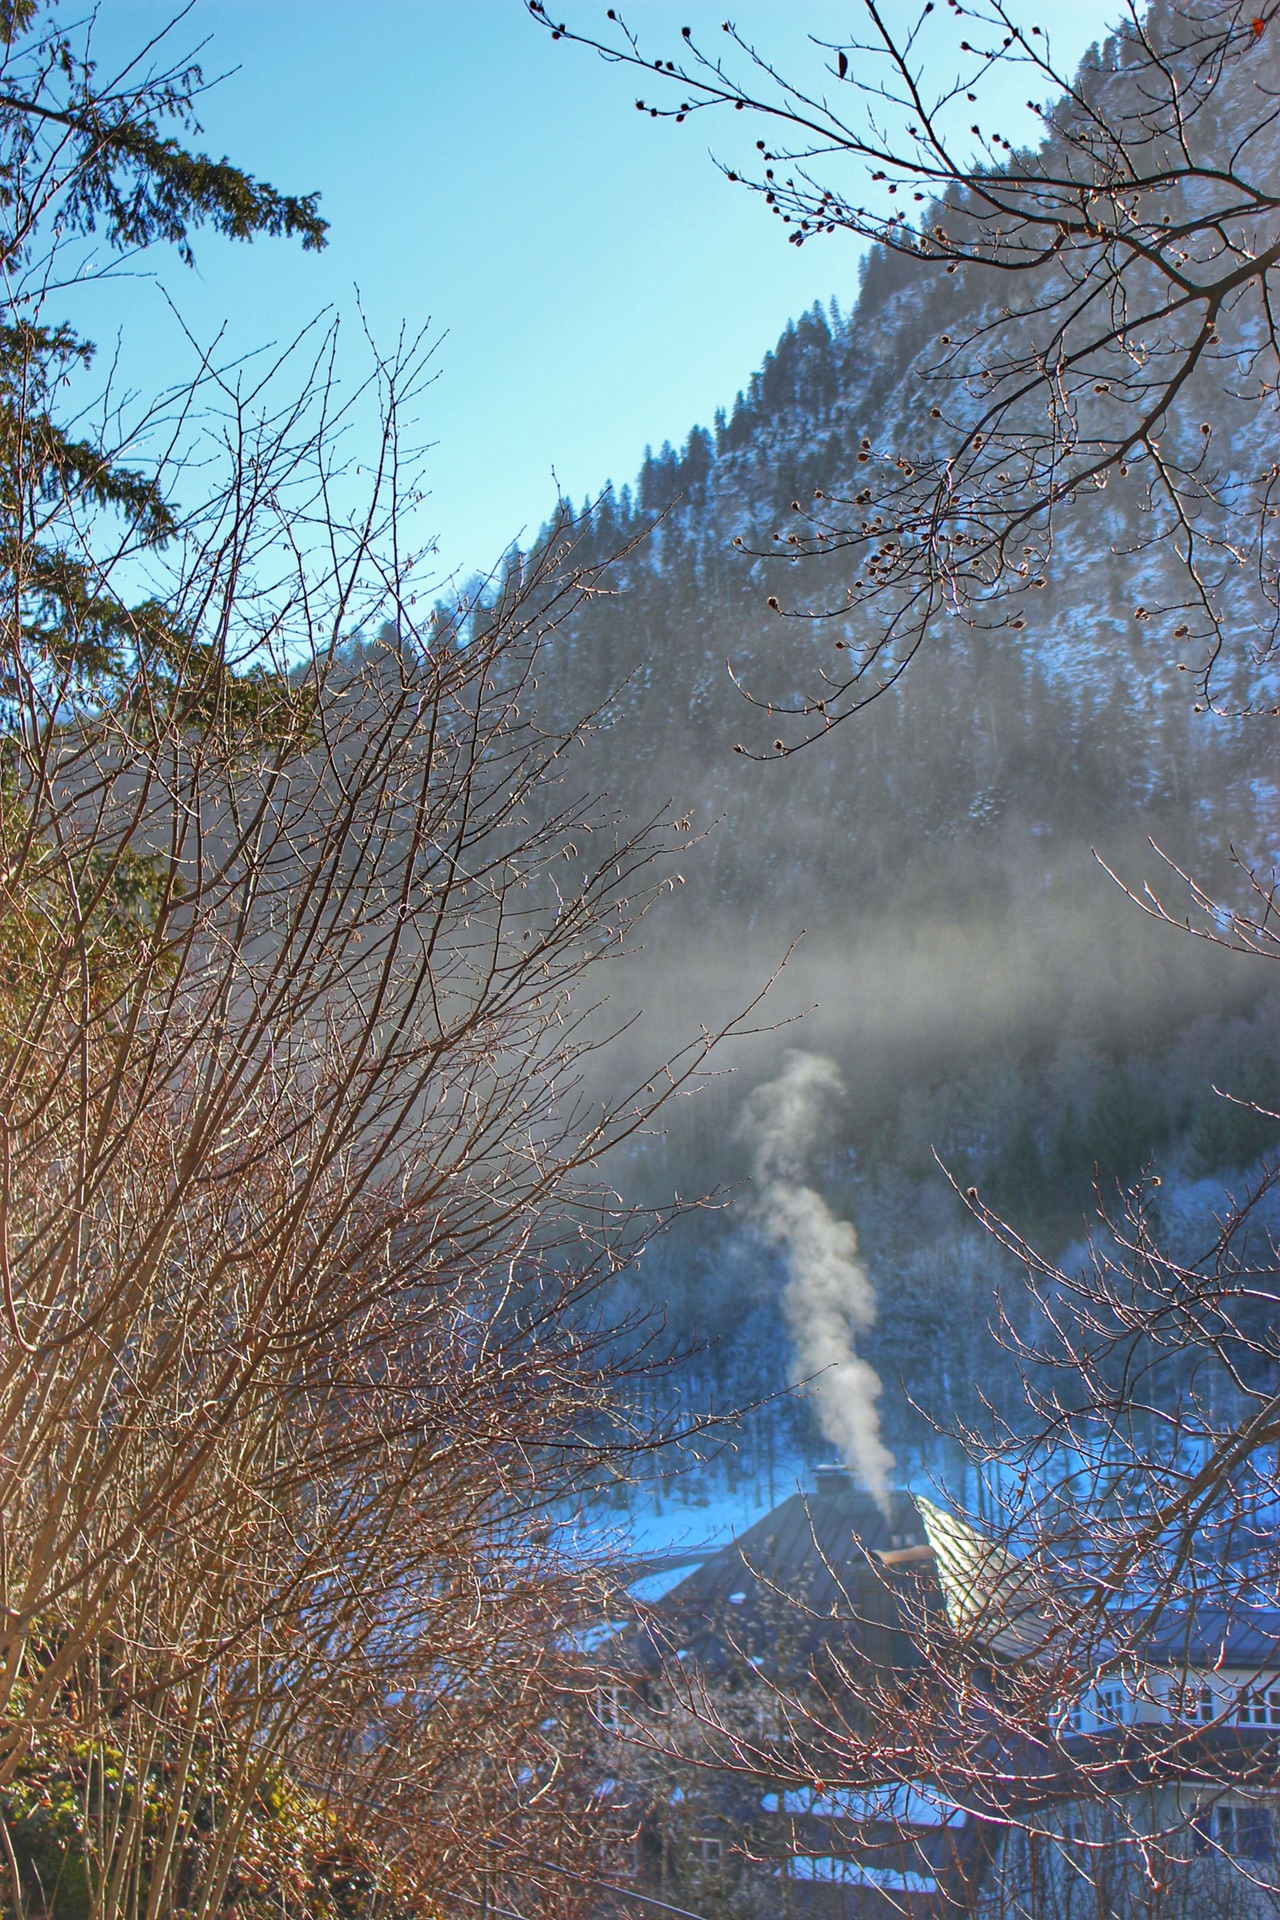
<point>90,160</point>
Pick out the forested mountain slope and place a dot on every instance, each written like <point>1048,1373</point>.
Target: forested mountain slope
<point>986,989</point>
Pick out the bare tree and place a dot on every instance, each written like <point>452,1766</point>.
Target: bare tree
<point>305,1230</point>
<point>303,1249</point>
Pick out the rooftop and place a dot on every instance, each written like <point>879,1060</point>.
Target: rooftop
<point>813,1569</point>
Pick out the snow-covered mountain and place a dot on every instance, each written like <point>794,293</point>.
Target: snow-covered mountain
<point>986,988</point>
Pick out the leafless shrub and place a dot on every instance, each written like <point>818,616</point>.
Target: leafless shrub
<point>305,1230</point>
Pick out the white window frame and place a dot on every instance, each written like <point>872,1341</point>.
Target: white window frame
<point>608,1708</point>
<point>621,1853</point>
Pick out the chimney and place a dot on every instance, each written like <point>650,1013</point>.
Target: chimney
<point>832,1476</point>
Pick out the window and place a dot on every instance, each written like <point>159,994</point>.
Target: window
<point>1074,1828</point>
<point>621,1855</point>
<point>1260,1709</point>
<point>1243,1831</point>
<point>609,1708</point>
<point>1252,1833</point>
<point>710,1850</point>
<point>1192,1701</point>
<point>1111,1706</point>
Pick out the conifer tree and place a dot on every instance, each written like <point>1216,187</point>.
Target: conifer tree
<point>85,158</point>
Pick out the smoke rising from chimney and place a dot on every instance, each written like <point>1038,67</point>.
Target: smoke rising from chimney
<point>829,1299</point>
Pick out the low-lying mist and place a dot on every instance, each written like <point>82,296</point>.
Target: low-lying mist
<point>1045,1044</point>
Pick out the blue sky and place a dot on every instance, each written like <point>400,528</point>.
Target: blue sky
<point>595,283</point>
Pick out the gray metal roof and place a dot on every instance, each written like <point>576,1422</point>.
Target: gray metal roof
<point>1210,1637</point>
<point>803,1574</point>
<point>825,1563</point>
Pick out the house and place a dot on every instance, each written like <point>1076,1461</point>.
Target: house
<point>739,1709</point>
<point>1177,1746</point>
<point>1152,1790</point>
<point>711,1766</point>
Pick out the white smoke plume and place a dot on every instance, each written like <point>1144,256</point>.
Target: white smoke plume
<point>829,1299</point>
